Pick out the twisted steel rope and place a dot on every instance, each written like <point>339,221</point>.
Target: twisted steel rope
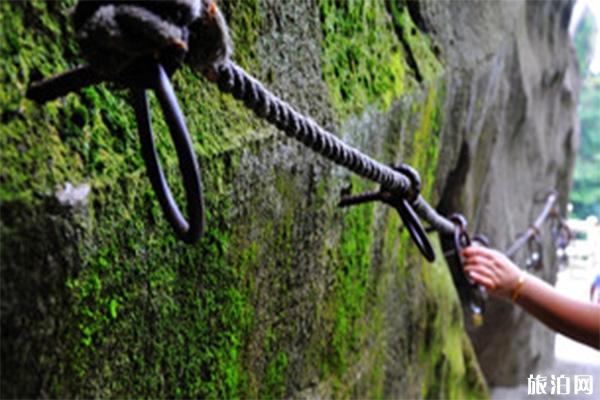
<point>232,79</point>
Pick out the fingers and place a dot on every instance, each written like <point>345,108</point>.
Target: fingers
<point>481,270</point>
<point>480,251</point>
<point>483,261</point>
<point>491,269</point>
<point>482,279</point>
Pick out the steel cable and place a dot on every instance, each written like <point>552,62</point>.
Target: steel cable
<point>232,79</point>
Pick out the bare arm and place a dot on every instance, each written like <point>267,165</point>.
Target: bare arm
<point>576,319</point>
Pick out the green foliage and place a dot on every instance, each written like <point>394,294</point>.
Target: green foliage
<point>586,189</point>
<point>584,42</point>
<point>585,195</point>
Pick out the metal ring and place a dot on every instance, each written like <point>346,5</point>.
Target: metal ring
<point>461,237</point>
<point>481,239</point>
<point>477,299</point>
<point>414,179</point>
<point>188,232</point>
<point>561,234</point>
<point>535,246</point>
<point>415,229</point>
<point>476,295</point>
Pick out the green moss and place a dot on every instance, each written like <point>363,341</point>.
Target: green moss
<point>38,160</point>
<point>422,153</point>
<point>274,380</point>
<point>352,268</point>
<point>245,19</point>
<point>141,314</point>
<point>182,313</point>
<point>446,350</point>
<point>365,60</point>
<point>417,43</point>
<point>357,307</point>
<point>176,315</point>
<point>362,60</point>
<point>94,136</point>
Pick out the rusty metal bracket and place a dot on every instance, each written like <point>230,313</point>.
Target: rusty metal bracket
<point>404,209</point>
<point>146,74</point>
<point>475,296</point>
<point>535,248</point>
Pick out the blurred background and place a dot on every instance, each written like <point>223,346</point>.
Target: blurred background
<point>583,267</point>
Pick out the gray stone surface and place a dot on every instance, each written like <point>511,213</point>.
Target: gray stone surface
<point>509,136</point>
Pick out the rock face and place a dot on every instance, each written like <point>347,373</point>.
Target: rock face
<point>511,105</point>
<point>286,294</point>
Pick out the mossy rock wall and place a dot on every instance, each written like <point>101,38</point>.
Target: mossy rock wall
<point>286,294</point>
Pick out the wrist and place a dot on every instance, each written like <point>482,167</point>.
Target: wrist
<point>516,291</point>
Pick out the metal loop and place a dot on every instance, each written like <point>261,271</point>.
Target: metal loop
<point>536,252</point>
<point>407,214</point>
<point>415,228</point>
<point>188,232</point>
<point>561,234</point>
<point>481,239</point>
<point>475,295</point>
<point>414,178</point>
<point>461,237</point>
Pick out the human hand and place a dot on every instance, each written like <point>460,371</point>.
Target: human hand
<point>491,269</point>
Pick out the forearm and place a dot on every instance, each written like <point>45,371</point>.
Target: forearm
<point>576,319</point>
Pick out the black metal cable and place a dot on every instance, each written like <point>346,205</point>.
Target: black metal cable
<point>234,80</point>
<point>535,228</point>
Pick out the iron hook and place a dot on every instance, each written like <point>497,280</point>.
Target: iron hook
<point>404,208</point>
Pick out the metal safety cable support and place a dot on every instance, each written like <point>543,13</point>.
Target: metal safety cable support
<point>196,33</point>
<point>536,227</point>
<point>166,25</point>
<point>188,231</point>
<point>209,51</point>
<point>472,294</point>
<point>63,84</point>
